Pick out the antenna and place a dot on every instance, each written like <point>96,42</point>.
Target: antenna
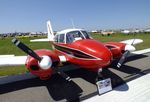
<point>133,39</point>
<point>72,22</point>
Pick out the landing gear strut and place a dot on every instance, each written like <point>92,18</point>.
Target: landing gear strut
<point>99,75</point>
<point>103,84</point>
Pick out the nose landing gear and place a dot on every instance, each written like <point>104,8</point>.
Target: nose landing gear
<point>103,84</point>
<point>99,75</point>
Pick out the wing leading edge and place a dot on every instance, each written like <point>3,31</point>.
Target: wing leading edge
<point>13,60</point>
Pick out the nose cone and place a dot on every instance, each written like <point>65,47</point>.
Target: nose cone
<point>97,49</point>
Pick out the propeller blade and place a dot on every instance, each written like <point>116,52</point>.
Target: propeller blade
<point>65,76</point>
<point>122,59</point>
<point>26,49</point>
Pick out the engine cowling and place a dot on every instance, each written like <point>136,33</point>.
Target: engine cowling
<point>116,48</point>
<point>40,69</point>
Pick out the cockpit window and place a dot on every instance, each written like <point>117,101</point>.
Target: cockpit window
<point>86,35</point>
<point>73,36</point>
<point>56,38</point>
<point>59,38</point>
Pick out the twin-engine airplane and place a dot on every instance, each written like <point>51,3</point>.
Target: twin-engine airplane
<point>75,46</point>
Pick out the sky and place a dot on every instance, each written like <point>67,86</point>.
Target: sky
<point>31,15</point>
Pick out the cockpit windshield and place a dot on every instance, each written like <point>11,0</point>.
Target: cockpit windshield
<point>76,35</point>
<point>73,36</point>
<point>86,35</point>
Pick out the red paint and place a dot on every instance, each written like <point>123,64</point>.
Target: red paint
<point>117,50</point>
<point>92,47</point>
<point>43,74</point>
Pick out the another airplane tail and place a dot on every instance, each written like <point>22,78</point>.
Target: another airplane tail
<point>50,35</point>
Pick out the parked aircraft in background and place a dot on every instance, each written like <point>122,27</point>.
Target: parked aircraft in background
<point>75,46</point>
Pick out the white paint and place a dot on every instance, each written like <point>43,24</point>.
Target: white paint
<point>132,41</point>
<point>62,58</point>
<point>142,51</point>
<point>129,48</point>
<point>12,60</point>
<point>138,91</point>
<point>7,55</point>
<point>40,40</point>
<point>46,62</point>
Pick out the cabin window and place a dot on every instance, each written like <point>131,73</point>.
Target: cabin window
<point>56,38</point>
<point>59,38</point>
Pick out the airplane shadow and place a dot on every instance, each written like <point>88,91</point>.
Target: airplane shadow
<point>136,57</point>
<point>57,86</point>
<point>91,76</point>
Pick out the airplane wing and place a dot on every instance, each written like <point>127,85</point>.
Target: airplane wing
<point>12,60</point>
<point>144,51</point>
<point>132,41</point>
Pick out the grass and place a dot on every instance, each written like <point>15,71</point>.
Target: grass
<point>120,37</point>
<point>6,47</point>
<point>12,70</point>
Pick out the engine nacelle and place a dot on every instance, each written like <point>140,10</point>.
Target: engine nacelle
<point>38,69</point>
<point>115,48</point>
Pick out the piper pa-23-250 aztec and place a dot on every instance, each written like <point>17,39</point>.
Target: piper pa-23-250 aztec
<point>75,46</point>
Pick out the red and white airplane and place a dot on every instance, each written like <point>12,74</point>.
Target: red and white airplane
<point>75,46</point>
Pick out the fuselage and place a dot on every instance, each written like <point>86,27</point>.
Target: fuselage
<point>82,50</point>
<point>87,53</point>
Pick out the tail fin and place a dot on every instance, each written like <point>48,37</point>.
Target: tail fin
<point>50,36</point>
<point>50,31</point>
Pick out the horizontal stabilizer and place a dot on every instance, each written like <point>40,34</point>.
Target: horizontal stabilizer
<point>40,40</point>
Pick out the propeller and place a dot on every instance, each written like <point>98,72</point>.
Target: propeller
<point>123,58</point>
<point>128,49</point>
<point>26,49</point>
<point>45,62</point>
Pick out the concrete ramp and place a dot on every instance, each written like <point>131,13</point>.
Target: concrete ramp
<point>139,91</point>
